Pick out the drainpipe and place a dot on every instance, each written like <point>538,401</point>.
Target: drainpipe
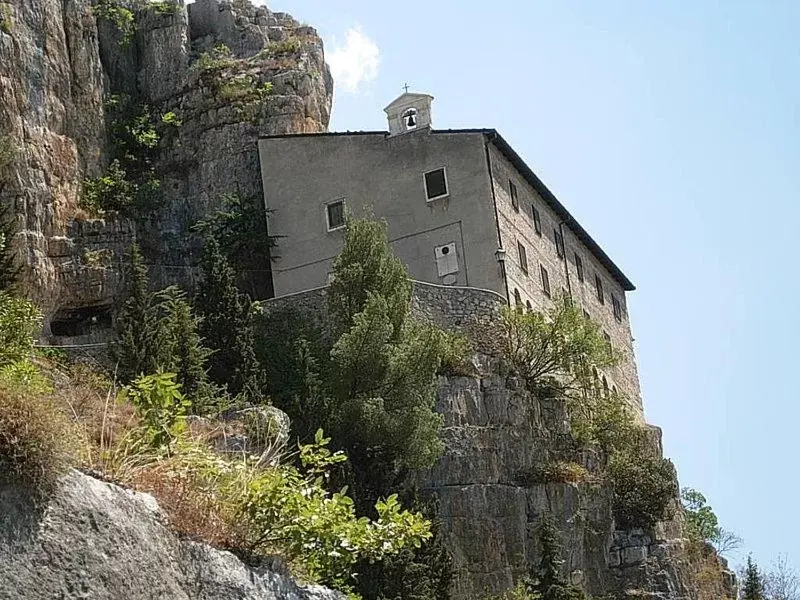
<point>500,254</point>
<point>566,258</point>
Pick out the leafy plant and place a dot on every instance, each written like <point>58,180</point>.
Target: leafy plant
<point>160,404</point>
<point>645,486</point>
<point>164,8</point>
<point>548,582</point>
<point>243,88</point>
<point>290,507</point>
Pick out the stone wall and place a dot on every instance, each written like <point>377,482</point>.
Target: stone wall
<point>453,308</point>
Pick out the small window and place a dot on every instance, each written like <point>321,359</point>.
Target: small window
<point>517,298</point>
<point>559,241</point>
<point>523,257</point>
<point>334,213</point>
<point>617,307</point>
<point>537,219</point>
<point>598,284</point>
<point>579,267</point>
<point>512,189</point>
<point>436,184</point>
<point>528,305</point>
<point>605,386</point>
<point>545,280</point>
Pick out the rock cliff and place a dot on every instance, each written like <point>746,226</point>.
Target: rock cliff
<point>492,492</point>
<point>59,61</point>
<point>96,540</point>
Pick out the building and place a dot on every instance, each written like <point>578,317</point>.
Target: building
<point>462,207</point>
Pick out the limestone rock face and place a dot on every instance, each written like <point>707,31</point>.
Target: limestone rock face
<point>51,116</point>
<point>96,540</point>
<point>491,496</point>
<point>57,63</point>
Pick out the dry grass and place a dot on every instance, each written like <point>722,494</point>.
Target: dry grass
<point>37,441</point>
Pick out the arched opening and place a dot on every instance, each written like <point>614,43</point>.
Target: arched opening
<point>605,386</point>
<point>517,299</point>
<point>410,119</point>
<point>82,320</point>
<point>528,306</point>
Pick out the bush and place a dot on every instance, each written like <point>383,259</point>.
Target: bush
<point>19,322</point>
<point>218,58</point>
<point>555,351</point>
<point>35,441</point>
<point>557,471</point>
<point>287,46</point>
<point>645,487</point>
<point>121,15</point>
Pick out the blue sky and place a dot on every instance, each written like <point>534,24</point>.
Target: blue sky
<point>671,130</point>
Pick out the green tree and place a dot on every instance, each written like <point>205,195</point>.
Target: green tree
<point>555,351</point>
<point>240,228</point>
<point>20,321</point>
<point>753,583</point>
<point>227,325</point>
<point>365,266</point>
<point>702,524</point>
<point>139,348</point>
<point>549,584</point>
<point>187,356</point>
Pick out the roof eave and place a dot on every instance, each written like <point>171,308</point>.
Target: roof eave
<point>548,196</point>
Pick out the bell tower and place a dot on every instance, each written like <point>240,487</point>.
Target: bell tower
<point>409,112</point>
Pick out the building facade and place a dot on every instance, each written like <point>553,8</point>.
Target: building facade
<point>462,209</point>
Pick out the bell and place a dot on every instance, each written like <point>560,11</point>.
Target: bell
<point>411,121</point>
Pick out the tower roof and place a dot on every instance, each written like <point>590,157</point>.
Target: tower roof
<point>407,98</point>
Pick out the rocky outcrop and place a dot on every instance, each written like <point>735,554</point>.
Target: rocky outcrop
<point>57,63</point>
<point>493,489</point>
<point>96,540</point>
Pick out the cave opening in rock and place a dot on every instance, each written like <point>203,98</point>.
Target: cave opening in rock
<point>82,320</point>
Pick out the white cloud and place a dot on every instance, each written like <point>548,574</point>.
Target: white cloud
<point>355,62</point>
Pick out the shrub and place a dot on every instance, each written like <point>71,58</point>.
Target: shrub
<point>558,471</point>
<point>288,46</point>
<point>645,487</point>
<point>121,15</point>
<point>19,322</point>
<point>35,441</point>
<point>554,351</point>
<point>243,88</point>
<point>216,59</point>
<point>161,406</point>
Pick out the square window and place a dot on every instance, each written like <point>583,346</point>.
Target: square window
<point>537,219</point>
<point>598,284</point>
<point>334,214</point>
<point>615,303</point>
<point>523,257</point>
<point>579,267</point>
<point>436,184</point>
<point>512,189</point>
<point>559,241</point>
<point>545,280</point>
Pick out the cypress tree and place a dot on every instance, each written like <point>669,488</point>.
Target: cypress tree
<point>139,348</point>
<point>185,354</point>
<point>549,583</point>
<point>226,325</point>
<point>753,585</point>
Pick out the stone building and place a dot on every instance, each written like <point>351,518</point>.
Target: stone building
<point>462,208</point>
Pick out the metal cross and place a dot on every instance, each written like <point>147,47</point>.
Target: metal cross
<point>405,87</point>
